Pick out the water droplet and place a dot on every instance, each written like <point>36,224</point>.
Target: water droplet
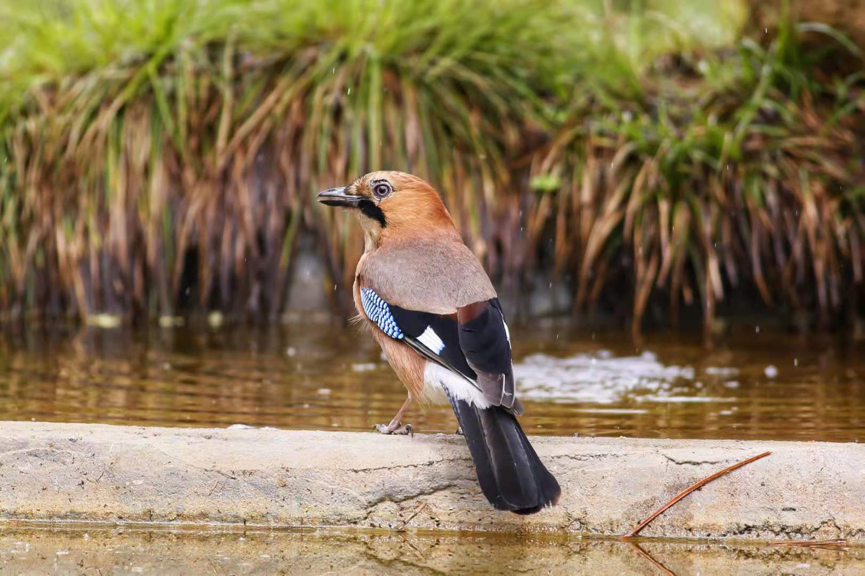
<point>771,371</point>
<point>349,92</point>
<point>795,362</point>
<point>757,329</point>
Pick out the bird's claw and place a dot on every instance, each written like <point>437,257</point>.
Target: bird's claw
<point>396,428</point>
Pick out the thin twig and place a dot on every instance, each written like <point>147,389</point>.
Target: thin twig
<point>412,546</point>
<point>696,486</point>
<point>654,562</point>
<point>410,518</point>
<point>214,488</point>
<point>811,543</point>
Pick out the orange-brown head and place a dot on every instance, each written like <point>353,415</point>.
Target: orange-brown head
<point>393,205</point>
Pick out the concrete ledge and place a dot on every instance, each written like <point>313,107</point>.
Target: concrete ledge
<point>78,472</point>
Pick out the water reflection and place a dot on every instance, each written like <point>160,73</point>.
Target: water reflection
<point>322,375</point>
<point>94,550</point>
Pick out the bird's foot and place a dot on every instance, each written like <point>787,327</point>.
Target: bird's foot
<point>459,431</point>
<point>395,427</point>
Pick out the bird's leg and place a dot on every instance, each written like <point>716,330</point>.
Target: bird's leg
<point>395,426</point>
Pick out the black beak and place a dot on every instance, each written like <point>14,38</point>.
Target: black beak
<point>338,197</point>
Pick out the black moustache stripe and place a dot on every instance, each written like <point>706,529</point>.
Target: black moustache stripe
<point>370,210</point>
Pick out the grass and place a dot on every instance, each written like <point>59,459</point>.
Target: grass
<point>738,171</point>
<point>157,155</point>
<point>139,137</point>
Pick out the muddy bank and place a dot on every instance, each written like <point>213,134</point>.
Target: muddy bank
<point>79,472</point>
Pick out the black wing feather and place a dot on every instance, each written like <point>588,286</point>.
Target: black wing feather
<point>484,341</point>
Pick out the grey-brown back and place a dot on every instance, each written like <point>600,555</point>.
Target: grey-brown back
<point>430,275</point>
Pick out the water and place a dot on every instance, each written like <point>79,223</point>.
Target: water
<point>321,375</point>
<point>92,550</point>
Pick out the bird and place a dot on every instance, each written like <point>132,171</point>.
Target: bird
<point>433,310</point>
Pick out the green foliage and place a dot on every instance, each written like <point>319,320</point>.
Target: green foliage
<point>749,171</point>
<point>144,143</point>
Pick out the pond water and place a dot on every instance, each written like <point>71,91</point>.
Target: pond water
<point>754,384</point>
<point>94,550</point>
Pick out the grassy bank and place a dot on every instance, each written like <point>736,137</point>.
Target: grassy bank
<point>162,156</point>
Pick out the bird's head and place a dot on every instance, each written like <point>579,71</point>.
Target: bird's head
<point>393,205</point>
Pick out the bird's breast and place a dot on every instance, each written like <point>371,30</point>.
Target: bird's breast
<point>408,364</point>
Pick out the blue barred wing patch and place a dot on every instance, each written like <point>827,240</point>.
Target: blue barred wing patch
<point>378,312</point>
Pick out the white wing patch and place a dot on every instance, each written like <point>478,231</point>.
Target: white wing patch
<point>507,331</point>
<point>436,378</point>
<point>431,340</point>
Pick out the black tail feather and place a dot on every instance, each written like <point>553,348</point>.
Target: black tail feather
<point>511,475</point>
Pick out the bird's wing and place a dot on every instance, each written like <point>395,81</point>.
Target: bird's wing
<point>473,343</point>
<point>485,342</point>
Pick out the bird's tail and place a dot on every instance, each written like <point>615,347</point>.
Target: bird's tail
<point>511,475</point>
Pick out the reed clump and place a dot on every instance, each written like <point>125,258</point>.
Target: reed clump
<point>160,157</point>
<point>163,152</point>
<point>736,172</point>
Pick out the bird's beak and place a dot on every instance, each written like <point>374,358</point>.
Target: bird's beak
<point>339,197</point>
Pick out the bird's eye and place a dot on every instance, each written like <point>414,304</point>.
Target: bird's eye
<point>382,189</point>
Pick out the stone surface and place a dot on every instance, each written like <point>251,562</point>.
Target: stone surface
<point>272,477</point>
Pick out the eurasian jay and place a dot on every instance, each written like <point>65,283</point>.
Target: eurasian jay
<point>435,314</point>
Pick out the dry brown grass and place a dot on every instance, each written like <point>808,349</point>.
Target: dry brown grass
<point>185,174</point>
